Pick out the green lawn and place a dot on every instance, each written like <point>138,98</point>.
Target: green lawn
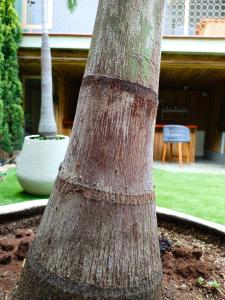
<point>12,192</point>
<point>200,195</point>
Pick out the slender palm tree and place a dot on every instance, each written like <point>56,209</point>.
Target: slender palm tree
<point>38,163</point>
<point>47,124</point>
<point>98,236</point>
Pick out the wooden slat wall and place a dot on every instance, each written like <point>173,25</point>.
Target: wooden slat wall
<point>213,137</point>
<point>198,72</point>
<point>203,111</point>
<point>196,103</point>
<point>68,96</point>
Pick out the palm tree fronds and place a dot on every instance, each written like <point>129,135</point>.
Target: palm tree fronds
<point>72,5</point>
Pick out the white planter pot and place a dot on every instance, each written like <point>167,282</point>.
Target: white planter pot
<point>38,164</point>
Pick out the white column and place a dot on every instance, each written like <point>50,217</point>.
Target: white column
<point>186,16</point>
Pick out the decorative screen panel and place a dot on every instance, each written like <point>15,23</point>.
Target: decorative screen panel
<point>174,17</point>
<point>207,17</point>
<point>195,17</point>
<point>182,17</point>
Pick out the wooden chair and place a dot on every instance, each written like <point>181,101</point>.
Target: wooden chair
<point>176,134</point>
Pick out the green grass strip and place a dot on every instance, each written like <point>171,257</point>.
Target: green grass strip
<point>200,195</point>
<point>197,194</point>
<point>11,191</point>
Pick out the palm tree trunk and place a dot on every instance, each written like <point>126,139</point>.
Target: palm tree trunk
<point>47,124</point>
<point>98,237</point>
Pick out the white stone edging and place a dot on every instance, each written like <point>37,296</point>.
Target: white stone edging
<point>22,206</point>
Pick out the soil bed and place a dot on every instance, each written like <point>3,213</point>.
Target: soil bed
<point>43,138</point>
<point>188,255</point>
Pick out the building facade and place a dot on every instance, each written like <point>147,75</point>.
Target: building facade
<point>192,79</point>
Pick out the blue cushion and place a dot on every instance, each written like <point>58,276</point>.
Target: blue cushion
<point>176,133</point>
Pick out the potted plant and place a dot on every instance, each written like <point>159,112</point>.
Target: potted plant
<point>41,155</point>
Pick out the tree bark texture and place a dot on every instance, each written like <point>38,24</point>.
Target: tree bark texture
<point>47,125</point>
<point>98,237</point>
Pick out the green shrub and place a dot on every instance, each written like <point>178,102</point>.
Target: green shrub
<point>6,139</point>
<point>11,112</point>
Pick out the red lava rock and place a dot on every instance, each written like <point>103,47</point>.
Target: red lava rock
<point>203,269</point>
<point>181,252</point>
<point>186,253</point>
<point>197,254</point>
<point>19,233</point>
<point>7,245</point>
<point>23,248</point>
<point>5,258</point>
<point>193,270</point>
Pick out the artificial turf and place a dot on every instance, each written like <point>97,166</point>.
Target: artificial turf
<point>200,195</point>
<point>11,191</point>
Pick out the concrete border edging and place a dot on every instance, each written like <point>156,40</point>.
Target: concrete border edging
<point>29,208</point>
<point>186,219</point>
<point>22,209</point>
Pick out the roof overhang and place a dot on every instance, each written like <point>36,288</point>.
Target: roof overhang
<point>170,44</point>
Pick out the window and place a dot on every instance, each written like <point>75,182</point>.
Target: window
<point>31,15</point>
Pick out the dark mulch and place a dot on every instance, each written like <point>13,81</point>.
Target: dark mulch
<point>187,255</point>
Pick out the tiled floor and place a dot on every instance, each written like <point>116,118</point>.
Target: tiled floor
<point>200,166</point>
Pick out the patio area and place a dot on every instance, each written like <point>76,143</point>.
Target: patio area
<point>200,166</point>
